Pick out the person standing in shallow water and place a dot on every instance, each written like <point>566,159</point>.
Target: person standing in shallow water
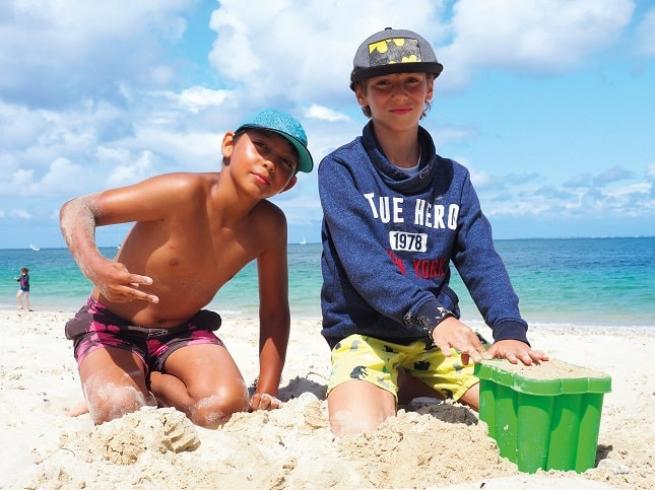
<point>143,337</point>
<point>23,294</point>
<point>395,215</point>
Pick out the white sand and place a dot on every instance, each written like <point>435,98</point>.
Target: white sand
<point>41,447</point>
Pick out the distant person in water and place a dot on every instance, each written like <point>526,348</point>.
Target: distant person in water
<point>143,337</point>
<point>23,294</point>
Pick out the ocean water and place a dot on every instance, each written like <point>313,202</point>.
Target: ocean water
<point>585,281</point>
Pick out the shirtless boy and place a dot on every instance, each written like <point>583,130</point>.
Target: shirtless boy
<point>142,337</point>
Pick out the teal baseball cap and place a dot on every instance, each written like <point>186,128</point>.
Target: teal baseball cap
<point>286,126</point>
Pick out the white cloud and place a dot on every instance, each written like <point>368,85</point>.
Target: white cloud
<point>300,209</point>
<point>34,138</point>
<point>20,214</point>
<point>646,33</point>
<point>194,99</point>
<point>20,126</point>
<point>109,155</point>
<point>47,47</point>
<point>197,98</point>
<point>534,196</point>
<point>529,35</point>
<point>650,172</point>
<point>132,173</point>
<point>189,150</point>
<point>480,179</point>
<point>38,145</point>
<point>316,111</point>
<point>16,183</point>
<point>301,50</point>
<point>61,177</point>
<point>446,135</point>
<point>628,191</point>
<point>310,50</point>
<point>611,175</point>
<point>123,121</point>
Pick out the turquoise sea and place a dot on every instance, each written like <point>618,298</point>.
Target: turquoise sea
<point>582,281</point>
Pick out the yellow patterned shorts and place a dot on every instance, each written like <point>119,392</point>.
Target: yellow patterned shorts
<point>377,361</point>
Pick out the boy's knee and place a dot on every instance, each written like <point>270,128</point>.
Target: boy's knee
<point>216,409</point>
<point>472,397</point>
<point>115,401</point>
<point>344,422</point>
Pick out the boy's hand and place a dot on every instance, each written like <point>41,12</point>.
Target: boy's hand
<point>264,401</point>
<point>117,284</point>
<point>515,350</point>
<point>451,333</point>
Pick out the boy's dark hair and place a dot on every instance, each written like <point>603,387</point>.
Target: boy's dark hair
<point>24,269</point>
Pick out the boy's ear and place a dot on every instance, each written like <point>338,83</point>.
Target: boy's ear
<point>360,94</point>
<point>430,93</point>
<point>291,183</point>
<point>227,146</point>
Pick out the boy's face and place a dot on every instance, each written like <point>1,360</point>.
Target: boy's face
<point>263,161</point>
<point>396,100</point>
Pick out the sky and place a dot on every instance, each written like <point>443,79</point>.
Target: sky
<point>549,103</point>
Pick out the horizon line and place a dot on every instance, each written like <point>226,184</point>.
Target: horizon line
<point>599,237</point>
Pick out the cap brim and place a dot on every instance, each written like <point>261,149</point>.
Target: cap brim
<point>305,160</point>
<point>375,71</point>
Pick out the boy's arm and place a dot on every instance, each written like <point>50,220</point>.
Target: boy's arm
<point>274,318</point>
<point>486,278</point>
<point>146,201</point>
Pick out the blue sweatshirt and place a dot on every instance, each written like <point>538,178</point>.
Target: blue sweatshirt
<point>388,240</point>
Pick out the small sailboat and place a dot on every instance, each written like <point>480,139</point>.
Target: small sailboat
<point>34,247</point>
<point>303,241</point>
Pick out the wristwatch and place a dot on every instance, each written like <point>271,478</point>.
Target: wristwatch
<point>429,324</point>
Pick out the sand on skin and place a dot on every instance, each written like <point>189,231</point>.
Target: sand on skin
<point>293,447</point>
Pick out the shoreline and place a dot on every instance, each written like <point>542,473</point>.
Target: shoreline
<point>293,446</point>
<point>315,315</point>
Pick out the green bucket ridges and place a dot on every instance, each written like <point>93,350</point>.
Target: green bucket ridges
<point>542,423</point>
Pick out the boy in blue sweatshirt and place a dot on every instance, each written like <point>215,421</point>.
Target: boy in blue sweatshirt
<point>395,215</point>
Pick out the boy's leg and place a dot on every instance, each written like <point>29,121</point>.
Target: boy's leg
<point>26,297</point>
<point>410,387</point>
<point>203,381</point>
<point>442,377</point>
<point>359,406</point>
<point>19,299</point>
<point>362,387</point>
<point>113,382</point>
<point>472,397</point>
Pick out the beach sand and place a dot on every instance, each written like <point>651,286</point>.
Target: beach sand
<point>436,446</point>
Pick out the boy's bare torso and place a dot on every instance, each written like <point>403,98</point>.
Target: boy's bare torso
<point>190,254</point>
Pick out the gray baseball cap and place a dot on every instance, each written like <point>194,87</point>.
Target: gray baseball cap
<point>393,51</point>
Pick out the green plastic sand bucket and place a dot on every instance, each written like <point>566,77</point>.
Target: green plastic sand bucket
<point>542,423</point>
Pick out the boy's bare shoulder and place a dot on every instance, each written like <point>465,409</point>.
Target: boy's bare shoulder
<point>269,218</point>
<point>187,187</point>
<point>191,181</point>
